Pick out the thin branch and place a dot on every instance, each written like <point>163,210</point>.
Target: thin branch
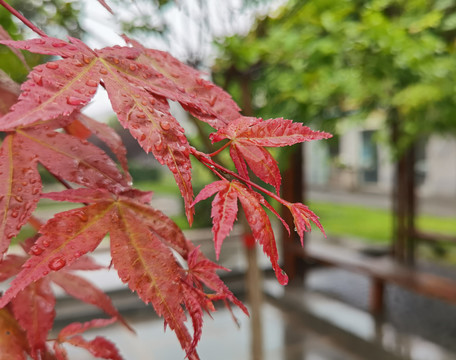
<point>211,164</point>
<point>21,17</point>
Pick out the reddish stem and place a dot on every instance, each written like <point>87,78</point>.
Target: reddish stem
<point>221,149</point>
<point>23,19</point>
<point>35,222</point>
<point>211,164</point>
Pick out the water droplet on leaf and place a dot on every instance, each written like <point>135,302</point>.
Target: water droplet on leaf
<point>165,125</point>
<point>57,263</point>
<point>86,59</point>
<point>59,44</point>
<point>73,100</point>
<point>82,215</point>
<point>92,83</point>
<point>36,250</point>
<point>52,65</point>
<point>38,79</point>
<point>158,146</point>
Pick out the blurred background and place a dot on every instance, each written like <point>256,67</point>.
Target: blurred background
<point>380,75</point>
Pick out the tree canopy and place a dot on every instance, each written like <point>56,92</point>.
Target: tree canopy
<point>321,59</point>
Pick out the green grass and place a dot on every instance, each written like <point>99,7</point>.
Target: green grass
<point>371,225</point>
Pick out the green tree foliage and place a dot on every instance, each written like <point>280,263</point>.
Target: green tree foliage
<point>322,59</point>
<point>56,17</point>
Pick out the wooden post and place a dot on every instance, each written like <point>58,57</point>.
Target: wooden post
<point>293,188</point>
<point>254,281</point>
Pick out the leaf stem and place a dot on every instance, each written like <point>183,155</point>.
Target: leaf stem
<point>23,19</point>
<point>211,164</point>
<point>221,149</point>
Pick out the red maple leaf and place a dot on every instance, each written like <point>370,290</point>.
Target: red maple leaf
<point>99,347</point>
<point>33,305</point>
<point>141,243</point>
<point>148,249</point>
<point>248,136</point>
<point>224,210</point>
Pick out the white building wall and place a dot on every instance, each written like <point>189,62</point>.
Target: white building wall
<point>440,167</point>
<point>345,171</point>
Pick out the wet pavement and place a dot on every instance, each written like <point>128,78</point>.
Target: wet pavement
<point>285,338</point>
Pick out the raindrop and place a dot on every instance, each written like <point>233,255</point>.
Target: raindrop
<point>77,254</point>
<point>40,41</point>
<point>92,83</point>
<point>51,134</point>
<point>86,59</point>
<point>19,189</point>
<point>24,183</point>
<point>158,146</point>
<point>38,79</point>
<point>73,100</point>
<point>143,137</point>
<point>212,100</point>
<point>141,116</point>
<point>200,81</point>
<point>182,139</point>
<point>32,181</point>
<point>116,61</point>
<point>45,243</point>
<point>57,263</point>
<point>14,214</point>
<point>103,71</point>
<point>35,191</point>
<point>82,215</point>
<point>165,125</point>
<point>52,65</point>
<point>45,272</point>
<point>59,44</point>
<point>36,250</point>
<point>132,67</point>
<point>19,198</point>
<point>10,235</point>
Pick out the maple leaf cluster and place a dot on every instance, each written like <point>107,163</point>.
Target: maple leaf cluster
<point>44,125</point>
